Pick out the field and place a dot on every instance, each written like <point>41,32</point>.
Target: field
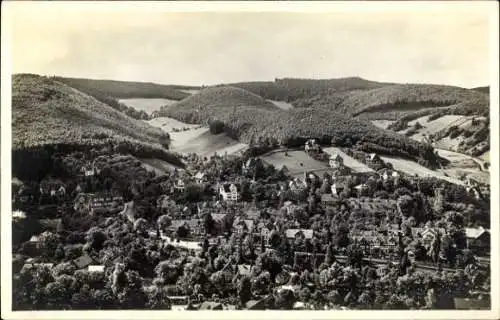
<point>383,124</point>
<point>281,104</point>
<point>413,168</point>
<point>147,105</point>
<point>296,161</point>
<point>191,91</point>
<point>461,164</point>
<point>158,166</point>
<point>350,162</point>
<point>197,139</point>
<point>437,125</point>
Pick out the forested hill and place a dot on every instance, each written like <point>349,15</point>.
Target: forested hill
<point>128,89</point>
<point>248,117</point>
<point>48,113</point>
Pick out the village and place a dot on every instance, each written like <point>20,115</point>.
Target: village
<point>234,232</point>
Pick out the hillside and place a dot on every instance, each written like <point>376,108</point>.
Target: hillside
<point>128,89</point>
<point>297,90</point>
<point>214,102</point>
<point>47,113</point>
<point>485,89</point>
<point>411,97</point>
<point>261,121</point>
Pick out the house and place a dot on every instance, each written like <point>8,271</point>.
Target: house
<point>83,262</point>
<point>294,233</point>
<point>88,170</point>
<point>25,195</point>
<point>242,225</point>
<point>54,225</point>
<point>210,305</point>
<point>95,268</point>
<point>387,174</point>
<point>252,213</point>
<point>17,214</point>
<point>478,239</point>
<point>337,188</point>
<point>200,177</point>
<point>255,305</point>
<point>474,192</point>
<point>192,227</point>
<point>361,188</point>
<point>427,235</point>
<point>244,269</point>
<point>297,184</point>
<point>311,146</point>
<point>373,158</point>
<point>336,161</point>
<point>229,192</point>
<point>179,185</point>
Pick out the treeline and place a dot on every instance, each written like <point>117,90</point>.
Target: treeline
<point>127,89</point>
<point>292,128</point>
<point>103,97</point>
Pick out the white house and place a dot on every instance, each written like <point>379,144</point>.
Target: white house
<point>229,192</point>
<point>388,174</point>
<point>200,177</point>
<point>179,185</point>
<point>311,145</point>
<point>336,161</point>
<point>337,188</point>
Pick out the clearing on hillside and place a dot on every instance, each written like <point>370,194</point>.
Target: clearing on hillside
<point>169,124</point>
<point>197,139</point>
<point>412,168</point>
<point>296,161</point>
<point>349,161</point>
<point>383,124</point>
<point>147,105</point>
<point>282,104</point>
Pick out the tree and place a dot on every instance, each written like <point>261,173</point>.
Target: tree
<point>244,290</point>
<point>48,243</point>
<point>95,237</point>
<point>284,299</point>
<point>406,206</point>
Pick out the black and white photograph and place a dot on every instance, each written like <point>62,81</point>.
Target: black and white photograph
<point>332,158</point>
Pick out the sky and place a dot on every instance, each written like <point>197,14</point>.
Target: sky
<point>444,46</point>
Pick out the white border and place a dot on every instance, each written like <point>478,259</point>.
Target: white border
<point>247,6</point>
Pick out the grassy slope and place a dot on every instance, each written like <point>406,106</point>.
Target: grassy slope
<point>214,102</point>
<point>47,112</point>
<point>127,89</point>
<point>411,97</point>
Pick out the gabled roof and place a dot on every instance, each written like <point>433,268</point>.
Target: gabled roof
<point>308,233</point>
<point>199,175</point>
<point>83,261</point>
<point>372,156</point>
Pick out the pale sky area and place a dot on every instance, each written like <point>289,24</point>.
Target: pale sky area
<point>195,48</point>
